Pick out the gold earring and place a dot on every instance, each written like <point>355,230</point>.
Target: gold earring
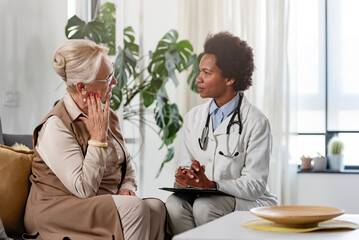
<point>84,99</point>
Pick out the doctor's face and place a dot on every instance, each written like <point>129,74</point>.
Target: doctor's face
<point>211,83</point>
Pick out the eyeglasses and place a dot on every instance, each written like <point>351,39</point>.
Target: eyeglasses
<point>108,80</point>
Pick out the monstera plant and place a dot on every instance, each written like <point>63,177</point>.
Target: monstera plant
<point>171,56</point>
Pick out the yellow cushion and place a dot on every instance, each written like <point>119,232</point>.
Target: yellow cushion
<point>15,169</point>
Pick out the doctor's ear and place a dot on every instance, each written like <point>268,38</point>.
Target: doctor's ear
<point>229,82</point>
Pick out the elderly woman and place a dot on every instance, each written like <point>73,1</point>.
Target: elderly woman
<point>226,142</point>
<point>83,181</point>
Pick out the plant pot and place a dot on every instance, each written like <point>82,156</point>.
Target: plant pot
<point>306,163</point>
<point>320,163</point>
<point>336,162</point>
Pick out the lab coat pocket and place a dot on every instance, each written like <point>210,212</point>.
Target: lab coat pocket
<point>231,167</point>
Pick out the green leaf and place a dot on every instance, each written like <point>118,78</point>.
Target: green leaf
<point>126,60</point>
<point>160,110</point>
<point>125,66</point>
<point>172,36</point>
<point>106,15</point>
<point>194,61</point>
<point>101,30</point>
<point>116,98</point>
<point>120,68</point>
<point>167,118</point>
<point>78,29</point>
<point>185,52</point>
<point>185,45</point>
<point>159,69</point>
<point>168,158</point>
<point>74,25</point>
<point>174,124</point>
<point>129,41</point>
<point>172,55</point>
<point>149,94</point>
<point>172,61</point>
<point>128,29</point>
<point>56,102</point>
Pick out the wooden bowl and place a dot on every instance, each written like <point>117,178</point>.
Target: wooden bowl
<point>297,216</point>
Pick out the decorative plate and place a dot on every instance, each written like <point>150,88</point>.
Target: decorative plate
<point>297,216</point>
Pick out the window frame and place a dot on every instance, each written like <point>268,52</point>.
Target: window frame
<point>328,134</point>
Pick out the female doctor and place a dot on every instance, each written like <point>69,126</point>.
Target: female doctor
<point>226,142</point>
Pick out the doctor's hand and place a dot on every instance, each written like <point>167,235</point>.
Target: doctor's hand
<point>201,180</point>
<point>196,167</point>
<point>192,172</point>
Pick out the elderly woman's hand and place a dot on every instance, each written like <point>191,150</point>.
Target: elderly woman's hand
<point>97,121</point>
<point>126,191</point>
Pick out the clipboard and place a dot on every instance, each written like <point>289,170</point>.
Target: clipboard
<point>193,190</point>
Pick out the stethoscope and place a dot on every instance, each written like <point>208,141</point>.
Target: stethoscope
<point>203,141</point>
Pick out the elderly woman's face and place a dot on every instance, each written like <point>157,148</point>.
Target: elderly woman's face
<point>211,83</point>
<point>105,73</point>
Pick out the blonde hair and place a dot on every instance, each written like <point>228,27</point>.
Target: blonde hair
<point>78,60</point>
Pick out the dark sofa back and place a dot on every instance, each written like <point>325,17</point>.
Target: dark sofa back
<point>10,139</point>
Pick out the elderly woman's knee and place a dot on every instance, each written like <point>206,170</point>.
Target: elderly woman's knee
<point>138,207</point>
<point>156,207</point>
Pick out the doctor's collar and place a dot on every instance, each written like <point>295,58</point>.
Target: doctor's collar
<point>227,108</point>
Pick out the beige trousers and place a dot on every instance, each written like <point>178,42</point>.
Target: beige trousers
<point>141,219</point>
<point>189,211</point>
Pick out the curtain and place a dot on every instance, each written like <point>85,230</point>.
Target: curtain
<point>95,7</point>
<point>264,25</point>
<point>196,19</point>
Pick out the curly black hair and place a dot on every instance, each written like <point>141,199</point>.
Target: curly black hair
<point>233,56</point>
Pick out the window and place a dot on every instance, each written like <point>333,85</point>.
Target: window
<point>327,69</point>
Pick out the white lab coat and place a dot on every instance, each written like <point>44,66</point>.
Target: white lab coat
<point>244,176</point>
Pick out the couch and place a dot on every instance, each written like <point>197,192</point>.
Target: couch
<point>9,140</point>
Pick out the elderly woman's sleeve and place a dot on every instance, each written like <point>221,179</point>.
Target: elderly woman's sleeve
<point>253,180</point>
<point>129,181</point>
<point>59,149</point>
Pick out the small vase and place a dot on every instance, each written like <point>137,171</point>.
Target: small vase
<point>306,163</point>
<point>336,162</point>
<point>320,164</point>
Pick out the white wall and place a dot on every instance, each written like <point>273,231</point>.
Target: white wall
<point>324,189</point>
<point>30,32</point>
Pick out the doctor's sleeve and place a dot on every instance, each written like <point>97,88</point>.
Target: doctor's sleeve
<point>185,157</point>
<point>252,183</point>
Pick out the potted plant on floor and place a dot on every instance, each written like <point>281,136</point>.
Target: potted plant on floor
<point>335,154</point>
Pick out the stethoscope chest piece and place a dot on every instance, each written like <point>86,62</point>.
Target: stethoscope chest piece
<point>203,141</point>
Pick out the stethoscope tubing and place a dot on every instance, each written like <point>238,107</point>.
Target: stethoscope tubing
<point>203,141</point>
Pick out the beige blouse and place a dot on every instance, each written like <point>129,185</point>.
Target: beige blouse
<point>98,172</point>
